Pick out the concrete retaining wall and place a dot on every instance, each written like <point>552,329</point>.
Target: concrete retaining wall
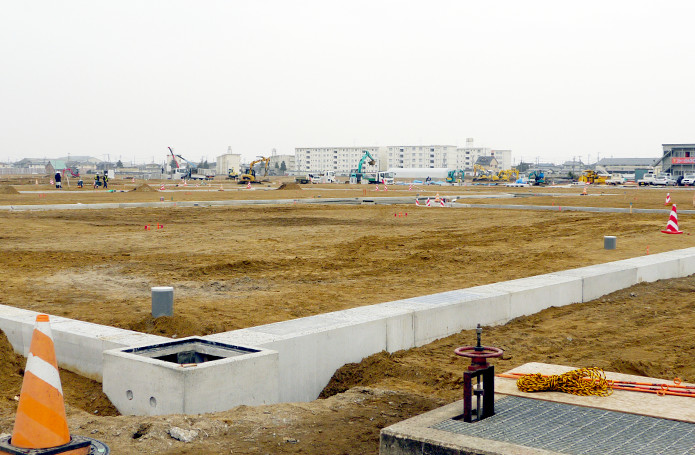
<point>79,345</point>
<point>311,349</point>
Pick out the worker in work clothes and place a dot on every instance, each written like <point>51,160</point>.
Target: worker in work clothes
<point>59,185</point>
<point>97,181</point>
<point>106,180</point>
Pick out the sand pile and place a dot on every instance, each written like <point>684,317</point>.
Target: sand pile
<point>290,186</point>
<point>7,189</point>
<point>11,369</point>
<point>144,187</point>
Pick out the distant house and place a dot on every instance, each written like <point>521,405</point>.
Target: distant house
<point>488,162</point>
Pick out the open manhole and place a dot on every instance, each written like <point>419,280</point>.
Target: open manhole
<point>190,351</point>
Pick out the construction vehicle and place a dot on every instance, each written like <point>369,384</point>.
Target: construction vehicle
<point>508,175</point>
<point>231,174</point>
<point>455,176</point>
<point>324,177</point>
<point>73,173</point>
<point>536,177</point>
<point>191,171</point>
<point>250,174</point>
<point>356,175</point>
<point>593,177</point>
<point>481,174</point>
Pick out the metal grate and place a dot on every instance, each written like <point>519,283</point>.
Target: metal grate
<point>576,430</point>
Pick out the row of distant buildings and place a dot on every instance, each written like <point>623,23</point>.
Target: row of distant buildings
<point>677,159</point>
<point>342,160</point>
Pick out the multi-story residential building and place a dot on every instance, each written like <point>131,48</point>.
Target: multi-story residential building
<point>338,159</point>
<point>343,159</point>
<point>418,156</point>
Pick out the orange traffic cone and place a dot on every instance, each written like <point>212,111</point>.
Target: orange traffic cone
<point>584,192</point>
<point>668,199</point>
<point>41,422</point>
<point>672,225</point>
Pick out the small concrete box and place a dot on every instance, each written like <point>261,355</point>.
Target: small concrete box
<point>609,242</point>
<point>162,301</point>
<point>189,376</point>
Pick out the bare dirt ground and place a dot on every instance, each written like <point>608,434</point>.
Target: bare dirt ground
<point>241,266</point>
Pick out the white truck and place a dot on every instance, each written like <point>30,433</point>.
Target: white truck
<point>615,179</point>
<point>647,179</point>
<point>326,177</point>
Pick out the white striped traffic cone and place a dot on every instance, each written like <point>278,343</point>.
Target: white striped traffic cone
<point>428,202</point>
<point>162,188</point>
<point>386,188</point>
<point>248,185</point>
<point>40,426</point>
<point>417,202</point>
<point>441,202</point>
<point>672,225</point>
<point>376,187</point>
<point>410,188</point>
<point>184,182</point>
<point>668,199</point>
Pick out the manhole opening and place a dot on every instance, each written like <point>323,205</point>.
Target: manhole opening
<point>192,351</point>
<point>189,357</point>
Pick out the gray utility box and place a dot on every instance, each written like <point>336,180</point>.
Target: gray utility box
<point>189,376</point>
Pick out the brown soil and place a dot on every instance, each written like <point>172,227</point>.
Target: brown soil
<point>289,186</point>
<point>240,266</point>
<point>7,189</point>
<point>144,188</point>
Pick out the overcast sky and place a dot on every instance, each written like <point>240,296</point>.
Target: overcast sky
<point>550,80</point>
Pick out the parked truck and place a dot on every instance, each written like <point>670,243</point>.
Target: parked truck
<point>647,179</point>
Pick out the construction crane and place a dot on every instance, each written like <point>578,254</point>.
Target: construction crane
<point>357,174</point>
<point>250,174</point>
<point>481,174</point>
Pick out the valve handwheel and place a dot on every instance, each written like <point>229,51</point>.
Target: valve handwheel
<point>484,352</point>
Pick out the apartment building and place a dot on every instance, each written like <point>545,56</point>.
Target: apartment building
<point>338,159</point>
<point>418,156</point>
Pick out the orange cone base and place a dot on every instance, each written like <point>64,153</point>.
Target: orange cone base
<point>672,232</point>
<point>78,445</point>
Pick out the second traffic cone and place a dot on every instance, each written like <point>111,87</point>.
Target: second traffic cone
<point>41,421</point>
<point>584,192</point>
<point>672,225</point>
<point>668,199</point>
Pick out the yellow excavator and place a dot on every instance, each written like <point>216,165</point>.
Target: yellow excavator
<point>508,175</point>
<point>590,176</point>
<point>250,174</point>
<point>480,174</point>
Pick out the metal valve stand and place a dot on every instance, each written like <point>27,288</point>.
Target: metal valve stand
<point>484,374</point>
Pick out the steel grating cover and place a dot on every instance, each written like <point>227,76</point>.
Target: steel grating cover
<point>575,430</point>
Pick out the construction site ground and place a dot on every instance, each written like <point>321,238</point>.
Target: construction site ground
<point>240,266</point>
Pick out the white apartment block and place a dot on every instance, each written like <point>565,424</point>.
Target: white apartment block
<point>418,156</point>
<point>466,156</point>
<point>343,159</point>
<point>338,159</point>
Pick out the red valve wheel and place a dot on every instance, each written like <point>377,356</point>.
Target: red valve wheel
<point>485,353</point>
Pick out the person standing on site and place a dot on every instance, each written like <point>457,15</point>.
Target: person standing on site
<point>106,180</point>
<point>58,183</point>
<point>96,181</point>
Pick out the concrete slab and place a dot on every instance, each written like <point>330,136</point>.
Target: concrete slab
<point>546,423</point>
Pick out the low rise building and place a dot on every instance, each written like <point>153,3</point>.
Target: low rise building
<point>678,159</point>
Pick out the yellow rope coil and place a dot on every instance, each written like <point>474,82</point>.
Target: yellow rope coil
<point>584,382</point>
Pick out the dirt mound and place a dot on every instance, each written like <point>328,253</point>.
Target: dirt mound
<point>11,370</point>
<point>176,326</point>
<point>144,188</point>
<point>79,391</point>
<point>7,189</point>
<point>290,186</point>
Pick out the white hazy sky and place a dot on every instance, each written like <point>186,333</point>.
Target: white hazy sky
<point>550,80</point>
